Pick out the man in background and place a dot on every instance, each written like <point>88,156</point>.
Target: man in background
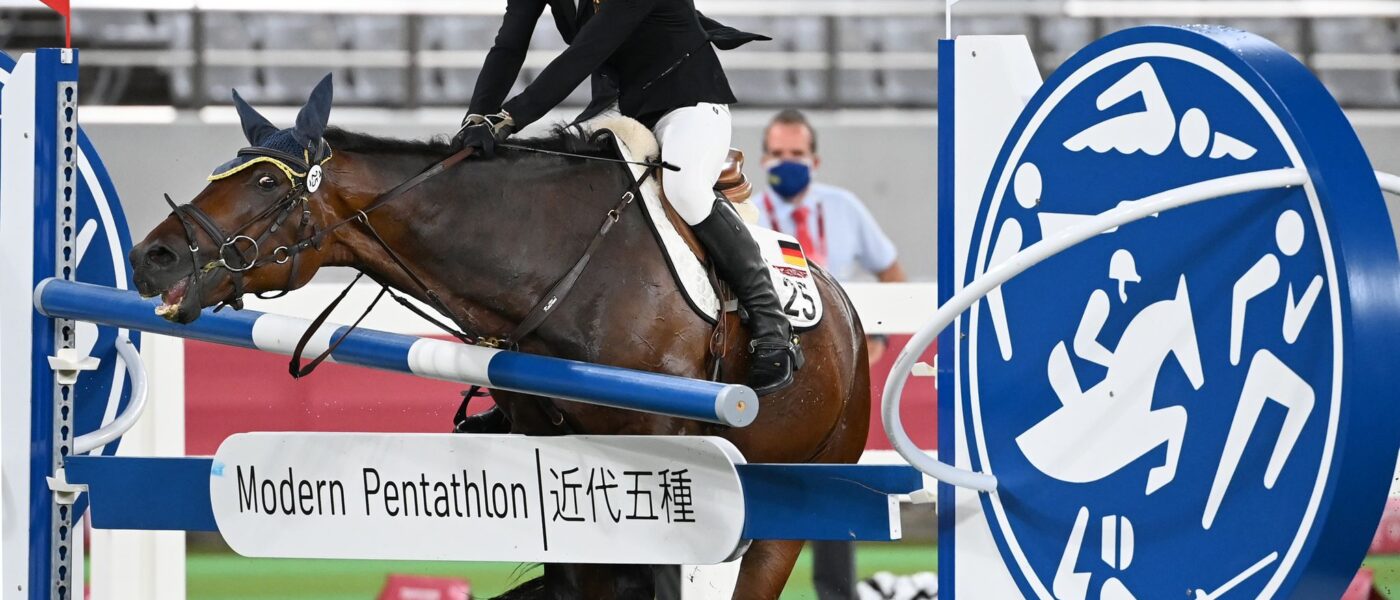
<point>832,224</point>
<point>838,232</point>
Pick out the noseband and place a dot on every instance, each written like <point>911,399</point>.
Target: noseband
<point>306,179</point>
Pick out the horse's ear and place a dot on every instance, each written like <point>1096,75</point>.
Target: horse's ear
<point>255,126</point>
<point>312,120</point>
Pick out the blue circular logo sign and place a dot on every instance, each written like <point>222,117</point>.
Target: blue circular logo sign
<point>1178,407</point>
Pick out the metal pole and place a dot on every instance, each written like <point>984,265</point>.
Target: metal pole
<point>833,62</point>
<point>414,75</point>
<point>198,72</point>
<point>727,404</point>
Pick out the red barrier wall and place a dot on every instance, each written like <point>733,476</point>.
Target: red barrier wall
<point>232,390</point>
<point>1387,540</point>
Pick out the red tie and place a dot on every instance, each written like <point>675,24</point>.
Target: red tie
<point>814,253</point>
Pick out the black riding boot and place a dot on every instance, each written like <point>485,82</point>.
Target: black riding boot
<point>737,260</point>
<point>491,420</point>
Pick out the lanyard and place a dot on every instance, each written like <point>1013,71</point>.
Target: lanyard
<point>821,223</point>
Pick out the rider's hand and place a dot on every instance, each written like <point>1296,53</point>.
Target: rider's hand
<point>483,132</point>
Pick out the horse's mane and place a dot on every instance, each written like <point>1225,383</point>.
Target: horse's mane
<point>560,139</point>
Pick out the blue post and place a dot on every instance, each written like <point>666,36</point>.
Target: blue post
<point>727,404</point>
<point>39,175</point>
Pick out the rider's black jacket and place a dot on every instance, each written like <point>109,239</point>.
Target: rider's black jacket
<point>648,56</point>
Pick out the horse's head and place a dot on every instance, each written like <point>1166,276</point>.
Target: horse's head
<point>254,227</point>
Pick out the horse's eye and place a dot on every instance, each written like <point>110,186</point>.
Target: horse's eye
<point>267,182</point>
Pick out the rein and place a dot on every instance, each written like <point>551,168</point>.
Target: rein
<point>661,164</point>
<point>189,213</point>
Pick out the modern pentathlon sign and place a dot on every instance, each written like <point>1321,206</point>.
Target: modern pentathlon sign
<point>1199,404</point>
<point>577,499</point>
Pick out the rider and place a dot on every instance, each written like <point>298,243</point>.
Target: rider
<point>656,60</point>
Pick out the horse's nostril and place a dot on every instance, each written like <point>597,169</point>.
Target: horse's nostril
<point>160,256</point>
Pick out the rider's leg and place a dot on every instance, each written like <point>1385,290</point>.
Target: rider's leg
<point>699,143</point>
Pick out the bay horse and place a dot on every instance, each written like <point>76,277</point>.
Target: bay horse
<point>491,237</point>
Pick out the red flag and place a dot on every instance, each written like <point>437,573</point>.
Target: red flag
<point>63,8</point>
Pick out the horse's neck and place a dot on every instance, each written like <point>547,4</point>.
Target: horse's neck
<point>491,238</point>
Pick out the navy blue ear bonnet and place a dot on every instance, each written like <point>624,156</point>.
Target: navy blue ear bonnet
<point>294,150</point>
<point>284,141</point>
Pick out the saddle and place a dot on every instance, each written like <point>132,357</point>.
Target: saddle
<point>732,182</point>
<point>791,274</point>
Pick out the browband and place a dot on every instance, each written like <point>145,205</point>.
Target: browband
<point>295,167</point>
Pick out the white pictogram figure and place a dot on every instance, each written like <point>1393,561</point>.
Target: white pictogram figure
<point>1123,269</point>
<point>1268,378</point>
<point>1007,245</point>
<point>1117,546</point>
<point>1196,135</point>
<point>1027,187</point>
<point>86,334</point>
<point>1112,424</point>
<point>1153,129</point>
<point>1253,570</point>
<point>1150,130</point>
<point>1052,223</point>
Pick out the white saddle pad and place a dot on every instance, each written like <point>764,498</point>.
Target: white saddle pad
<point>792,276</point>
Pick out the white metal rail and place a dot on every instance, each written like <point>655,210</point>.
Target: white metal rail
<point>123,422</point>
<point>1389,183</point>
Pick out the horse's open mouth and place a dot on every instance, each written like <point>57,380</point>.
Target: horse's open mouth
<point>179,303</point>
<point>170,300</point>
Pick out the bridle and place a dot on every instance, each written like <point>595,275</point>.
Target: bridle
<point>306,178</point>
<point>305,182</point>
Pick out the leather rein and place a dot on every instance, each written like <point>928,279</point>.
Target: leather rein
<point>237,263</point>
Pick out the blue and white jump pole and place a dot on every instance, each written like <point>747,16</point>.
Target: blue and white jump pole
<point>727,404</point>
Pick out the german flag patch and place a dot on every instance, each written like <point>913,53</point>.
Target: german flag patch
<point>792,254</point>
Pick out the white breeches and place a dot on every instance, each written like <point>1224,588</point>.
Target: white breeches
<point>696,139</point>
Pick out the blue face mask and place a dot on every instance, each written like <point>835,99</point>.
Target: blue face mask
<point>789,178</point>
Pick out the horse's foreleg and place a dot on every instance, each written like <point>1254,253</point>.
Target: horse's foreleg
<point>765,569</point>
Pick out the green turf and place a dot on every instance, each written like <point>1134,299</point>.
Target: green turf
<point>220,576</point>
<point>230,577</point>
<point>1387,574</point>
